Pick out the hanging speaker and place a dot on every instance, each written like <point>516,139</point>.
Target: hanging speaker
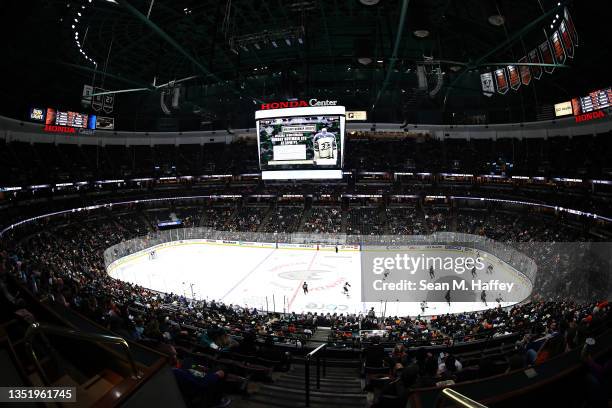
<point>162,101</point>
<point>421,78</point>
<point>176,94</point>
<point>364,50</point>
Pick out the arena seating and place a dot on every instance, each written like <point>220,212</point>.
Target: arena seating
<point>284,219</point>
<point>578,156</point>
<point>53,269</point>
<point>324,220</point>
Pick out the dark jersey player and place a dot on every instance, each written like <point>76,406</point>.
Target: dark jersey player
<point>432,274</point>
<point>305,287</point>
<point>346,288</point>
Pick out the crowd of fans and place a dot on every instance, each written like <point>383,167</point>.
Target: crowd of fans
<point>555,156</point>
<point>364,221</point>
<point>535,333</point>
<point>284,219</point>
<point>404,221</point>
<point>324,220</point>
<point>247,219</point>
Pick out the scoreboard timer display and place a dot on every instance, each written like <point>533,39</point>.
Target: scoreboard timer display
<point>70,119</point>
<point>595,100</point>
<point>73,119</point>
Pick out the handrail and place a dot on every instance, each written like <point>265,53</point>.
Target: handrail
<point>314,353</point>
<point>461,399</point>
<point>40,328</point>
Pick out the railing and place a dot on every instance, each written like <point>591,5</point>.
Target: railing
<point>316,353</point>
<point>460,399</point>
<point>38,328</point>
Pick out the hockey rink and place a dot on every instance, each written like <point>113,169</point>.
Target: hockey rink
<point>271,279</point>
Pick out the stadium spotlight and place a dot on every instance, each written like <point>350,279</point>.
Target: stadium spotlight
<point>497,20</point>
<point>274,44</point>
<point>288,41</point>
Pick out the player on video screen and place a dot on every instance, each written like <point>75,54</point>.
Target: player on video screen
<point>324,144</point>
<point>50,117</point>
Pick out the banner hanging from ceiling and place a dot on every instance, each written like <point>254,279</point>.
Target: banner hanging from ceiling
<point>486,80</point>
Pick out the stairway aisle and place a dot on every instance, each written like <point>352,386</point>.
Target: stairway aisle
<point>341,387</point>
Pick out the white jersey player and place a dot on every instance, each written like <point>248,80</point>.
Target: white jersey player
<point>324,144</point>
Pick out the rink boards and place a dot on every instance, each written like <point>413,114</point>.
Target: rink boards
<point>269,276</point>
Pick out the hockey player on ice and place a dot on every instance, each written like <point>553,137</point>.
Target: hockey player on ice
<point>345,289</point>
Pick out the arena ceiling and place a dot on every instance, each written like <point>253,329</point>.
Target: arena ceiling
<point>239,52</point>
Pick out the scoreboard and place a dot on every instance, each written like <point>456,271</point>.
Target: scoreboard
<point>301,142</point>
<point>69,119</point>
<point>73,119</point>
<point>595,100</point>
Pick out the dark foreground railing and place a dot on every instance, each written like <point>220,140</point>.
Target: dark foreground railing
<point>317,354</point>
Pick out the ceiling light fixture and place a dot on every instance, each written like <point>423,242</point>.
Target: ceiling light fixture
<point>497,20</point>
<point>421,33</point>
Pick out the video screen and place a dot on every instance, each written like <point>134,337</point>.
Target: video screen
<point>70,119</point>
<point>599,99</point>
<point>300,143</point>
<point>105,123</point>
